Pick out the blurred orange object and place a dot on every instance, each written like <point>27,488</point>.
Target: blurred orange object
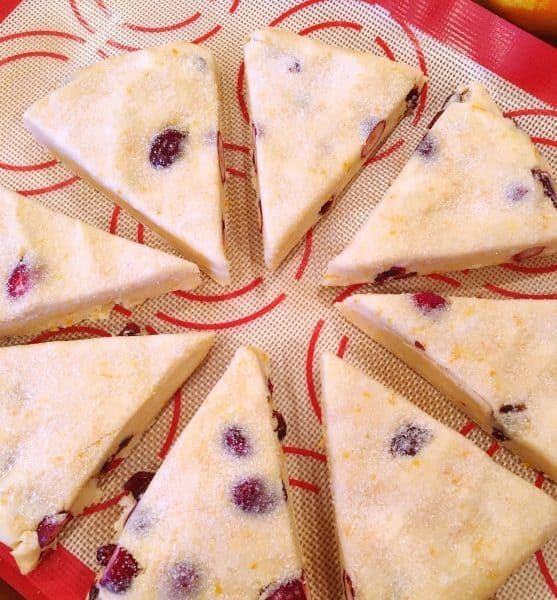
<point>537,16</point>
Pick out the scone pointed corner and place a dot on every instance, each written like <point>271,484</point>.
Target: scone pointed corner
<point>457,198</point>
<point>330,106</point>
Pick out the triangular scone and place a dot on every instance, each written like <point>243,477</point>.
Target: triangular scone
<point>56,270</point>
<point>144,128</point>
<point>216,520</point>
<point>421,511</point>
<point>495,359</point>
<point>475,192</point>
<point>318,113</point>
<point>66,408</point>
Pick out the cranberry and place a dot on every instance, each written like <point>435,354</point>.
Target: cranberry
<point>235,441</point>
<point>434,120</point>
<point>374,130</point>
<point>251,496</point>
<point>419,346</point>
<point>93,592</point>
<point>220,150</point>
<point>138,483</point>
<point>51,526</point>
<point>291,590</point>
<point>507,408</point>
<point>517,192</point>
<point>104,553</point>
<point>428,301</point>
<point>20,280</point>
<point>327,206</point>
<point>393,273</point>
<point>548,188</point>
<point>280,429</point>
<point>412,100</point>
<point>182,580</point>
<point>528,253</point>
<point>427,147</point>
<point>130,329</point>
<point>409,439</point>
<point>295,67</point>
<point>120,571</point>
<point>166,148</point>
<point>349,593</point>
<point>500,435</point>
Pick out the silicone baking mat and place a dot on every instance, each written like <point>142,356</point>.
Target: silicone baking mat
<point>286,313</point>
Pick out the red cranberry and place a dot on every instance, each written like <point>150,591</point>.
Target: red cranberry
<point>511,408</point>
<point>20,280</point>
<point>295,67</point>
<point>252,496</point>
<point>327,206</point>
<point>517,192</point>
<point>428,301</point>
<point>120,571</point>
<point>235,441</point>
<point>427,147</point>
<point>412,100</point>
<point>166,148</point>
<point>138,483</point>
<point>374,131</point>
<point>349,593</point>
<point>222,164</point>
<point>547,183</point>
<point>130,329</point>
<point>393,273</point>
<point>291,590</point>
<point>280,429</point>
<point>528,253</point>
<point>51,526</point>
<point>409,439</point>
<point>419,346</point>
<point>182,580</point>
<point>104,553</point>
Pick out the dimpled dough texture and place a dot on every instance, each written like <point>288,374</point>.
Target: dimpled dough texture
<point>493,358</point>
<point>475,192</point>
<point>66,407</point>
<point>188,534</point>
<point>318,114</point>
<point>58,270</point>
<point>104,124</point>
<point>422,513</point>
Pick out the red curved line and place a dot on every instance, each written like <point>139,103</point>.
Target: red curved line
<point>304,452</point>
<point>79,17</point>
<point>348,292</point>
<point>140,232</point>
<point>385,47</point>
<point>233,6</point>
<point>386,153</point>
<point>123,311</point>
<point>48,335</point>
<point>342,346</point>
<point>470,426</point>
<point>102,6</point>
<point>151,330</point>
<point>220,297</point>
<point>62,34</point>
<point>305,258</point>
<point>293,10</point>
<point>164,28</point>
<point>173,425</point>
<point>544,141</point>
<point>543,112</point>
<point>309,369</point>
<point>225,324</point>
<point>120,46</point>
<point>37,167</point>
<point>102,53</point>
<point>328,24</point>
<point>89,510</point>
<point>311,487</point>
<point>114,219</point>
<point>545,572</point>
<point>493,449</point>
<point>521,269</point>
<point>49,188</point>
<point>237,147</point>
<point>14,57</point>
<point>206,36</point>
<point>518,295</point>
<point>240,92</point>
<point>445,279</point>
<point>236,172</point>
<point>539,480</point>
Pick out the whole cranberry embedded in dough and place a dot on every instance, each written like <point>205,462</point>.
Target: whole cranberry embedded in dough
<point>428,301</point>
<point>419,346</point>
<point>130,329</point>
<point>528,253</point>
<point>412,100</point>
<point>235,441</point>
<point>120,571</point>
<point>547,183</point>
<point>252,496</point>
<point>427,148</point>
<point>138,483</point>
<point>409,440</point>
<point>104,553</point>
<point>291,590</point>
<point>516,192</point>
<point>51,526</point>
<point>21,280</point>
<point>166,148</point>
<point>280,429</point>
<point>374,130</point>
<point>393,273</point>
<point>182,581</point>
<point>295,66</point>
<point>349,593</point>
